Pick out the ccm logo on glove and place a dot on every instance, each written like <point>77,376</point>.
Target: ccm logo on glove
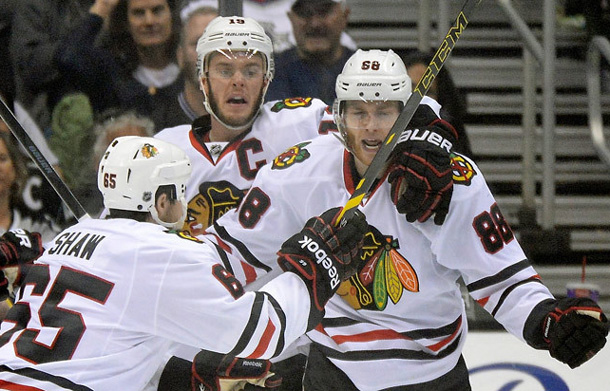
<point>426,135</point>
<point>321,258</point>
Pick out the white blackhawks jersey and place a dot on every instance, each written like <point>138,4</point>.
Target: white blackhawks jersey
<point>401,319</point>
<point>108,302</point>
<point>222,175</point>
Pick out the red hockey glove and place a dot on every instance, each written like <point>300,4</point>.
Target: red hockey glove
<point>213,371</point>
<point>575,330</point>
<point>420,172</point>
<point>19,248</point>
<point>323,255</point>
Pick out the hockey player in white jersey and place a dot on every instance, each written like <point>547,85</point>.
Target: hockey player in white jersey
<point>228,147</point>
<point>108,302</point>
<point>400,323</point>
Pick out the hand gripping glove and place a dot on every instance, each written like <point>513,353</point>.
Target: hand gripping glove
<point>18,249</point>
<point>213,371</point>
<point>573,330</point>
<point>420,172</point>
<point>324,254</point>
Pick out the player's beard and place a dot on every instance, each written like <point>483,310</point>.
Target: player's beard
<point>231,123</point>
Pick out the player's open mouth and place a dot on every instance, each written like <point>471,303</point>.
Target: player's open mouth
<point>237,100</point>
<point>372,145</point>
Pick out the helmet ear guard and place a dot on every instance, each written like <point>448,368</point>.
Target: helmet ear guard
<point>133,168</point>
<point>370,75</point>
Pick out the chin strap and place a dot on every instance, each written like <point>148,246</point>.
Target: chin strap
<point>177,225</point>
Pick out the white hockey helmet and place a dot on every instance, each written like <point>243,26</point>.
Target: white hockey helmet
<point>227,34</point>
<point>371,75</point>
<point>133,168</point>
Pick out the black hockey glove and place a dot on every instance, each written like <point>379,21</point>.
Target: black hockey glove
<point>572,329</point>
<point>213,371</point>
<point>5,293</point>
<point>323,255</point>
<point>420,172</point>
<point>19,248</point>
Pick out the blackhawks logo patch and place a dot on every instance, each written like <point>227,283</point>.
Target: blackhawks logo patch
<point>291,103</point>
<point>384,277</point>
<point>149,151</point>
<point>292,155</point>
<point>213,200</point>
<point>463,172</point>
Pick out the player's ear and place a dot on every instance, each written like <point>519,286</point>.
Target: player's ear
<point>204,85</point>
<point>162,204</point>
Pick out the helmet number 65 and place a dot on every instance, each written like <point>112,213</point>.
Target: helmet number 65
<point>110,180</point>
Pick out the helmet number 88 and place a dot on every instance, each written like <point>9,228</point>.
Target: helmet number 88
<point>109,180</point>
<point>374,65</point>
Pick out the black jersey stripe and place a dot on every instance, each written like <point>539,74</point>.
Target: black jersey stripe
<point>442,331</point>
<point>252,325</point>
<point>45,377</point>
<point>282,315</point>
<point>388,354</point>
<point>224,258</point>
<point>503,275</point>
<point>243,250</point>
<point>511,288</point>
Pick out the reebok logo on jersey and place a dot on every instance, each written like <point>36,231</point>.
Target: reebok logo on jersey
<point>322,259</point>
<point>426,135</point>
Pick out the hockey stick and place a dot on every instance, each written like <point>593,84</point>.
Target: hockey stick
<point>379,161</point>
<point>60,187</point>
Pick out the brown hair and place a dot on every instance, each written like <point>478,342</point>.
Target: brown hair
<point>19,165</point>
<point>121,43</point>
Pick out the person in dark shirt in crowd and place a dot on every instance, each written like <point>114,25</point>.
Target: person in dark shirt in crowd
<point>311,68</point>
<point>273,16</point>
<point>7,81</point>
<point>188,104</point>
<point>132,65</point>
<point>442,90</point>
<point>37,28</point>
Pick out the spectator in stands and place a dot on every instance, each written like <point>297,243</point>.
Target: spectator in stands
<point>7,81</point>
<point>188,105</point>
<point>442,90</point>
<point>273,16</point>
<point>14,213</point>
<point>38,27</point>
<point>311,68</point>
<point>13,177</point>
<point>134,66</point>
<point>37,195</point>
<point>105,130</point>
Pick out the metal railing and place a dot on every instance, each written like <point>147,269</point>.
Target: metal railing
<point>545,56</point>
<point>598,46</point>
